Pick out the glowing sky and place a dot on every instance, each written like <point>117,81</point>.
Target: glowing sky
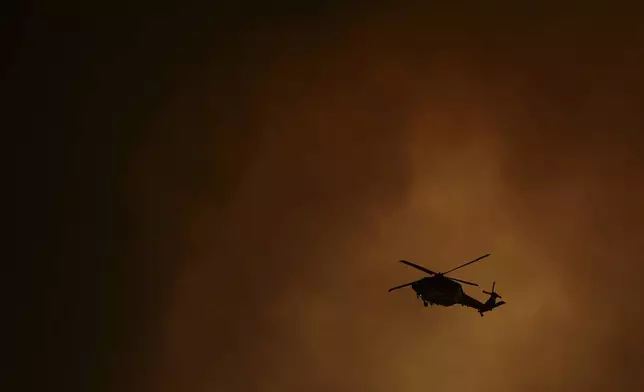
<point>406,135</point>
<point>294,160</point>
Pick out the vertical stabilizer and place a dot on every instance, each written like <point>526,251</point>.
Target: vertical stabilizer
<point>491,302</point>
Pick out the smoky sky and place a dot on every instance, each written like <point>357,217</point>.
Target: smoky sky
<point>240,183</point>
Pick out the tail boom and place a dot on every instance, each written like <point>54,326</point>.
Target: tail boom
<point>481,307</point>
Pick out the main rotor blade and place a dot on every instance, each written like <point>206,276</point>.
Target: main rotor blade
<point>400,287</point>
<point>468,263</point>
<point>418,267</point>
<point>462,281</point>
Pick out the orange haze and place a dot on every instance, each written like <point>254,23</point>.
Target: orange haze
<point>279,206</point>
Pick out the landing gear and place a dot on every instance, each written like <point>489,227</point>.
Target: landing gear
<point>425,303</point>
<point>481,314</point>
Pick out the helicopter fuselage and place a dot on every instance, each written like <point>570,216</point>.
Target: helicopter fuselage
<point>438,290</point>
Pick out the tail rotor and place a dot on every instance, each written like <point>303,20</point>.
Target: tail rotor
<point>493,294</point>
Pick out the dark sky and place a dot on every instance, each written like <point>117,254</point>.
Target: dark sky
<point>213,198</point>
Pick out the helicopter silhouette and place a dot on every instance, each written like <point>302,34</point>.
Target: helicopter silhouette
<point>438,289</point>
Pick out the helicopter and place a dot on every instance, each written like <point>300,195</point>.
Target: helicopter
<point>438,289</point>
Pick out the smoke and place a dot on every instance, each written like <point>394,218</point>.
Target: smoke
<point>410,135</point>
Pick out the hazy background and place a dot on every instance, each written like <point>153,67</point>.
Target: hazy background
<point>223,194</point>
